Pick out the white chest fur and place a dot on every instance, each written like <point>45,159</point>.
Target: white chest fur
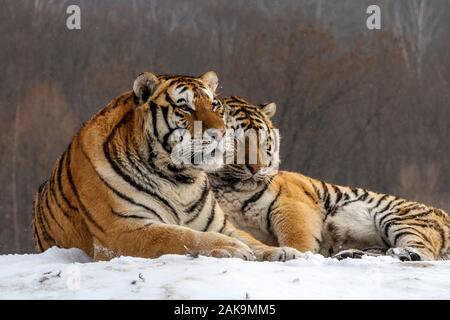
<point>351,227</point>
<point>250,216</point>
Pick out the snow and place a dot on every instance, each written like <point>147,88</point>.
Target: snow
<point>70,274</point>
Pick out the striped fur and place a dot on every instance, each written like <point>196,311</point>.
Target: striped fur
<point>115,190</point>
<point>290,209</point>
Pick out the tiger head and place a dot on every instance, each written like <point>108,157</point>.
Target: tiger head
<point>253,133</point>
<point>183,116</point>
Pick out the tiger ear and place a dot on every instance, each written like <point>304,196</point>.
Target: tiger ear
<point>144,86</point>
<point>269,109</point>
<point>211,79</point>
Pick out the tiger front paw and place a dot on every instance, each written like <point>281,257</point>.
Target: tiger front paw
<point>266,253</point>
<point>230,252</point>
<point>221,246</point>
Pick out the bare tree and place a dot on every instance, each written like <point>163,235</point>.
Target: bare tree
<point>416,23</point>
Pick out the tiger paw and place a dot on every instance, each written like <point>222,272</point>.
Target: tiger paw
<point>404,254</point>
<point>266,253</point>
<point>350,253</point>
<point>220,246</point>
<point>230,252</point>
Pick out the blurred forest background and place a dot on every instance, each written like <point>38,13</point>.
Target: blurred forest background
<point>368,108</point>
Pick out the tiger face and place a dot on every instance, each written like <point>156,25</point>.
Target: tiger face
<point>253,132</point>
<point>184,116</point>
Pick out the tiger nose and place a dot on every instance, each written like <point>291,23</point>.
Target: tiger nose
<point>254,168</point>
<point>218,134</point>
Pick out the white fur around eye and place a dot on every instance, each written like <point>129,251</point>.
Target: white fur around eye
<point>186,97</point>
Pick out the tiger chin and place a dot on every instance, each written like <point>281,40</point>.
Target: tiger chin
<point>116,190</point>
<point>289,209</point>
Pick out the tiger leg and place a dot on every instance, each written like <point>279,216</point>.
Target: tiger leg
<point>297,225</point>
<point>262,252</point>
<point>156,239</point>
<point>414,244</point>
<point>412,247</point>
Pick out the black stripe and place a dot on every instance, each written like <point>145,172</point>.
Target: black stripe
<point>200,203</point>
<point>255,197</point>
<point>395,221</point>
<point>199,208</point>
<point>55,200</point>
<point>326,196</point>
<point>416,244</point>
<point>156,171</point>
<point>184,89</point>
<point>223,225</point>
<point>131,216</point>
<point>59,185</point>
<point>84,210</point>
<point>391,204</point>
<point>387,224</point>
<point>400,202</point>
<point>165,141</point>
<point>388,204</point>
<point>400,235</point>
<point>338,193</point>
<point>154,111</point>
<point>412,206</point>
<point>118,193</point>
<point>380,221</point>
<point>49,210</point>
<point>385,241</point>
<point>364,195</point>
<point>165,113</point>
<point>119,171</point>
<point>380,200</point>
<point>269,212</point>
<point>401,232</point>
<point>431,224</point>
<point>333,211</point>
<point>211,217</point>
<point>415,215</point>
<point>145,226</point>
<point>316,190</point>
<point>308,194</point>
<point>136,165</point>
<point>43,221</point>
<point>351,201</point>
<point>318,241</point>
<point>419,234</point>
<point>179,176</point>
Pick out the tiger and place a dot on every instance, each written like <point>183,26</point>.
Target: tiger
<point>290,209</point>
<point>117,190</point>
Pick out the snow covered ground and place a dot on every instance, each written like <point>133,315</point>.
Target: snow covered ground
<point>69,274</point>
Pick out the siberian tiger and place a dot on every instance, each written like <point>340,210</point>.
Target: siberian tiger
<point>116,190</point>
<point>293,210</point>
